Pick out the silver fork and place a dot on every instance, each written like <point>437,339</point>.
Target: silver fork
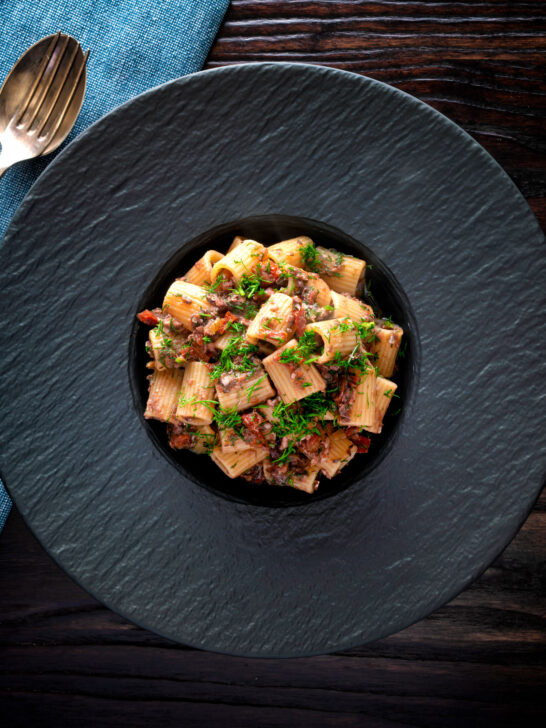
<point>41,98</point>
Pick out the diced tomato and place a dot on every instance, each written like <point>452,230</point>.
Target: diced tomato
<point>225,321</point>
<point>252,433</point>
<point>362,443</point>
<point>198,350</point>
<point>148,317</point>
<point>252,420</point>
<point>274,271</point>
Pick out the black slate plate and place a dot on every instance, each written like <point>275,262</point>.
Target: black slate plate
<point>462,259</point>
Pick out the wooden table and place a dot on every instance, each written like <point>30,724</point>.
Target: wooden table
<point>480,660</point>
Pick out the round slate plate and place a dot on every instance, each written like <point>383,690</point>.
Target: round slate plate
<point>467,459</point>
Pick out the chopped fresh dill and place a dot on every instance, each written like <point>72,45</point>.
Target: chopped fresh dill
<point>228,419</point>
<point>254,386</point>
<point>249,286</point>
<point>211,287</point>
<point>209,403</point>
<point>311,257</point>
<point>301,353</point>
<point>324,263</point>
<point>237,326</point>
<point>299,419</point>
<point>236,357</point>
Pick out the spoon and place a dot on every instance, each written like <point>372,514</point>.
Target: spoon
<point>41,98</point>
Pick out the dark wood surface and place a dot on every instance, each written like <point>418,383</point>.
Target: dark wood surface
<point>479,661</point>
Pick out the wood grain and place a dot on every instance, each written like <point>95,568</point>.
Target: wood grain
<point>482,64</point>
<point>481,660</point>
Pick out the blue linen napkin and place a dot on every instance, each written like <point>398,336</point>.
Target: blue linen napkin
<point>135,45</point>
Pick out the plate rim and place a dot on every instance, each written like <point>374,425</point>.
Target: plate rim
<point>12,230</point>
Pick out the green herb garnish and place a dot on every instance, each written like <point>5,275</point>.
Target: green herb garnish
<point>301,353</point>
<point>228,419</point>
<point>236,357</point>
<point>249,286</point>
<point>311,257</point>
<point>256,384</point>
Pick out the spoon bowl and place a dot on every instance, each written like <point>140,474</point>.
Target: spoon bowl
<point>41,98</point>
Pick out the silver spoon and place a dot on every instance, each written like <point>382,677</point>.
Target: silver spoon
<point>41,98</point>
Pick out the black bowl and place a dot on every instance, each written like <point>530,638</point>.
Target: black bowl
<point>382,291</point>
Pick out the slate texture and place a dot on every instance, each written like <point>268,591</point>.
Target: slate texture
<point>469,456</point>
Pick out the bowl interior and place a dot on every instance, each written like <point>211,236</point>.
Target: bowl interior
<point>382,291</point>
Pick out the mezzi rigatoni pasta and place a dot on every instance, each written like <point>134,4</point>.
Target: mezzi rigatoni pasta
<point>298,279</point>
<point>232,441</point>
<point>288,251</point>
<point>197,395</point>
<point>201,271</point>
<point>338,336</point>
<point>237,240</point>
<point>184,300</point>
<point>349,275</point>
<point>204,442</point>
<point>341,451</point>
<point>242,260</point>
<point>236,463</point>
<point>386,346</point>
<point>247,391</point>
<point>292,383</point>
<point>385,390</point>
<point>305,480</point>
<point>348,307</point>
<point>274,322</point>
<point>264,359</point>
<point>362,411</point>
<point>163,395</point>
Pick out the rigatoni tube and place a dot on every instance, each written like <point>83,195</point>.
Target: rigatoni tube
<point>235,463</point>
<point>384,392</point>
<point>386,345</point>
<point>362,411</point>
<point>244,258</point>
<point>163,394</point>
<point>197,395</point>
<point>237,240</point>
<point>183,300</point>
<point>274,322</point>
<point>231,441</point>
<point>201,271</point>
<point>337,335</point>
<point>245,390</point>
<point>289,251</point>
<point>344,306</point>
<point>340,451</point>
<point>349,276</point>
<point>306,481</point>
<point>293,381</point>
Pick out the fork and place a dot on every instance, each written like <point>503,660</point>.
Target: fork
<point>41,98</point>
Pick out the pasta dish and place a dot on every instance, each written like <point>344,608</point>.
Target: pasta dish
<point>265,359</point>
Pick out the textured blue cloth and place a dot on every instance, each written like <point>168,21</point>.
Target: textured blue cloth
<point>134,44</point>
